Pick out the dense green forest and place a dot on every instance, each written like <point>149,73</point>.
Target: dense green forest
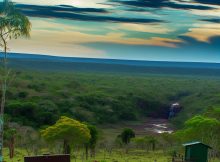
<point>38,99</point>
<point>49,107</point>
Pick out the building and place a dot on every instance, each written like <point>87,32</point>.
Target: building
<point>196,152</point>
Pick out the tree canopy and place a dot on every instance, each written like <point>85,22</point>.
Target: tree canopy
<point>200,128</point>
<point>67,129</point>
<point>126,135</point>
<point>13,24</point>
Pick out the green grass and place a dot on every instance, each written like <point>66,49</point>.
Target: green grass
<point>106,156</point>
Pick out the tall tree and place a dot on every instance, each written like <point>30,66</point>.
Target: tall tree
<point>93,141</point>
<point>126,136</point>
<point>152,141</point>
<point>9,136</point>
<point>69,131</point>
<point>13,25</point>
<point>201,128</point>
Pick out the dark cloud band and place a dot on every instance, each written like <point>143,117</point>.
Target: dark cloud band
<point>60,8</point>
<point>212,2</point>
<point>80,14</point>
<point>212,20</point>
<point>159,4</point>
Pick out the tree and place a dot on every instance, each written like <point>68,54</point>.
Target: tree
<point>29,139</point>
<point>168,139</point>
<point>201,128</point>
<point>126,136</point>
<point>93,140</point>
<point>13,25</point>
<point>213,112</point>
<point>69,131</point>
<point>152,141</point>
<point>10,135</point>
<point>140,142</point>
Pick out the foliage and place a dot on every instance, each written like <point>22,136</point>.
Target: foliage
<point>213,112</point>
<point>9,135</point>
<point>67,129</point>
<point>152,141</point>
<point>107,98</point>
<point>140,142</point>
<point>94,136</point>
<point>93,140</point>
<point>146,142</point>
<point>13,24</point>
<point>126,135</point>
<point>201,128</point>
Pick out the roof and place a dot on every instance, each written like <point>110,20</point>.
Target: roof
<point>47,155</point>
<point>196,143</point>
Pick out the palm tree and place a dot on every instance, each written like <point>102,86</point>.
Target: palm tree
<point>13,25</point>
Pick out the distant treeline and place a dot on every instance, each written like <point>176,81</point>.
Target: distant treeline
<point>38,99</point>
<point>124,68</point>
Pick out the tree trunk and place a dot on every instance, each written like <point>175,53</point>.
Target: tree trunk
<point>153,146</point>
<point>87,152</point>
<point>66,147</point>
<point>1,137</point>
<point>11,147</point>
<point>92,152</point>
<point>3,96</point>
<point>126,149</point>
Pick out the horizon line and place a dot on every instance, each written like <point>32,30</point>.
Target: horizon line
<point>115,59</point>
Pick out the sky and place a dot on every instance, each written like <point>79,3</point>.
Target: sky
<point>160,30</point>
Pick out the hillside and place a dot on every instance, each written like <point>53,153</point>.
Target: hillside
<point>65,64</point>
<point>40,98</point>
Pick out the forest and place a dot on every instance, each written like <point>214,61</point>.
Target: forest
<point>37,100</point>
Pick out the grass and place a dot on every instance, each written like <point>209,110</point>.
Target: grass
<point>133,156</point>
<point>107,156</point>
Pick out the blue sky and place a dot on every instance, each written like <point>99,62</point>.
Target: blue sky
<point>162,30</point>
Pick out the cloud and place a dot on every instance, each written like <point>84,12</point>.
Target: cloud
<point>189,43</point>
<point>187,49</point>
<point>212,2</point>
<point>62,40</point>
<point>161,4</point>
<point>216,20</point>
<point>119,38</point>
<point>212,12</point>
<point>154,28</point>
<point>76,3</point>
<point>53,43</point>
<point>203,32</point>
<point>59,8</point>
<point>80,14</point>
